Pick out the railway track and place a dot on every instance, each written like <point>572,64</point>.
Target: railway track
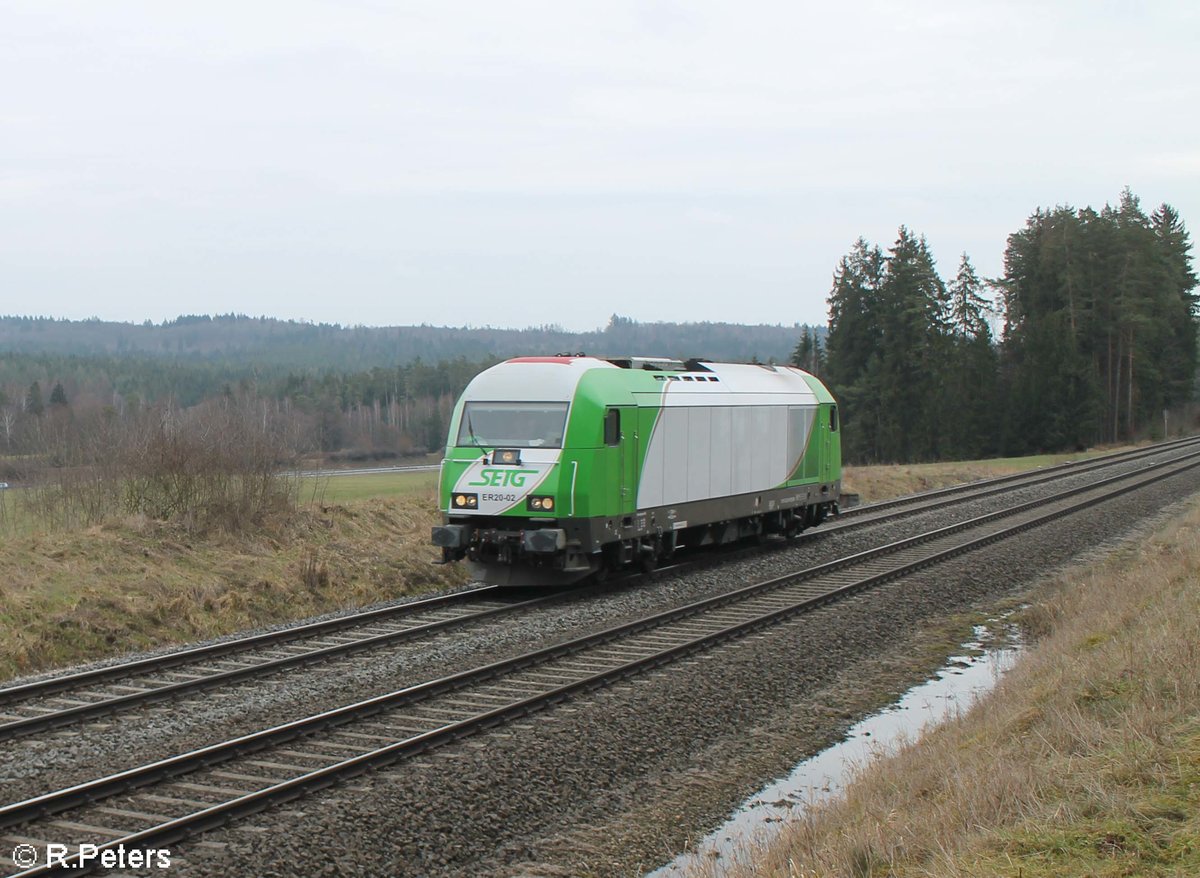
<point>62,701</point>
<point>940,497</point>
<point>163,802</point>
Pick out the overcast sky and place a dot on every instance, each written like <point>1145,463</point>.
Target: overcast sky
<point>522,163</point>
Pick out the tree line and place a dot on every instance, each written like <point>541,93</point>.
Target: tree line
<point>1097,339</point>
<point>62,375</point>
<point>378,413</point>
<point>231,342</point>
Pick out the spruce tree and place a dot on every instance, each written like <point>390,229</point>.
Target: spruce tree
<point>807,354</point>
<point>33,400</point>
<point>912,356</point>
<point>970,427</point>
<point>852,347</point>
<point>968,308</point>
<point>1178,303</point>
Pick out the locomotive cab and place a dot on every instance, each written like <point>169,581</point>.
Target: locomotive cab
<point>501,480</point>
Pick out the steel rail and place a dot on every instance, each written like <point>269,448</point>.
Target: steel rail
<point>228,647</point>
<point>67,716</point>
<point>219,814</point>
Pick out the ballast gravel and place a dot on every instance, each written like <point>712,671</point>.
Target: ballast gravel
<point>554,795</point>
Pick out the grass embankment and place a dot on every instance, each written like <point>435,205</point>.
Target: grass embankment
<point>1085,761</point>
<point>133,584</point>
<point>873,483</point>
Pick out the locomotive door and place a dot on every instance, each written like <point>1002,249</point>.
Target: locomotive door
<point>629,458</point>
<point>620,435</point>
<point>827,430</point>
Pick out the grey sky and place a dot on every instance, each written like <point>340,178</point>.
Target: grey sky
<point>523,163</point>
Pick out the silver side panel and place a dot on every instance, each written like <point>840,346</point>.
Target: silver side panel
<point>720,466</point>
<point>699,453</point>
<point>673,427</point>
<point>703,452</point>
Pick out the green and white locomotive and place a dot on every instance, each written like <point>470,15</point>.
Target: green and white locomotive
<point>560,467</point>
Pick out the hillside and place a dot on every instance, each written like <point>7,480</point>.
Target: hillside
<point>288,344</point>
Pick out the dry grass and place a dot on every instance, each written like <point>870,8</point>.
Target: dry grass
<point>132,584</point>
<point>882,482</point>
<point>1084,761</point>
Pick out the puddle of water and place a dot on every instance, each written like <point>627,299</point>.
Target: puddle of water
<point>759,819</point>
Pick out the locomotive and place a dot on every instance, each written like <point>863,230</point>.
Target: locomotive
<point>558,468</point>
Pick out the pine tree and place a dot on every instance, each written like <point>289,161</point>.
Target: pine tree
<point>58,396</point>
<point>1178,303</point>
<point>912,353</point>
<point>967,317</point>
<point>1052,397</point>
<point>969,379</point>
<point>852,347</point>
<point>33,400</point>
<point>807,354</point>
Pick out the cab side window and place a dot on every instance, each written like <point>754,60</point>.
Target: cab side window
<point>612,427</point>
<point>833,418</point>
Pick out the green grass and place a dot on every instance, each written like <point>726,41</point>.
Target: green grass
<point>334,488</point>
<point>14,518</point>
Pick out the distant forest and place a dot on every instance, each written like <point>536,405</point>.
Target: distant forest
<point>236,341</point>
<point>361,393</point>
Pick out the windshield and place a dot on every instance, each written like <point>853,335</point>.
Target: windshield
<point>513,424</point>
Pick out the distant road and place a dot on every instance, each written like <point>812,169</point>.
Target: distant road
<point>369,471</point>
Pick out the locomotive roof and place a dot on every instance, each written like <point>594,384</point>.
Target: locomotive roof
<point>556,378</point>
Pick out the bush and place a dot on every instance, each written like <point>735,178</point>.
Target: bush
<point>224,464</point>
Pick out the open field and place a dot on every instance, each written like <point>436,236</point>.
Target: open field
<point>340,488</point>
<point>1085,761</point>
<point>332,487</point>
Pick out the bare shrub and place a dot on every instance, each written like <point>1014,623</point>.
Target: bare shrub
<point>225,464</point>
<point>314,573</point>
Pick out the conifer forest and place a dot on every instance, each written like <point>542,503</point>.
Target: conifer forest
<point>1088,337</point>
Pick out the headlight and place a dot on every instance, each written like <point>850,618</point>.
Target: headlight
<point>540,504</point>
<point>465,501</point>
<point>506,457</point>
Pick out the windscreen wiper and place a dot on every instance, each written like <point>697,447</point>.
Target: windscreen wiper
<point>471,432</point>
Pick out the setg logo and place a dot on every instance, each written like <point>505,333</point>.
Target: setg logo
<point>503,478</point>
